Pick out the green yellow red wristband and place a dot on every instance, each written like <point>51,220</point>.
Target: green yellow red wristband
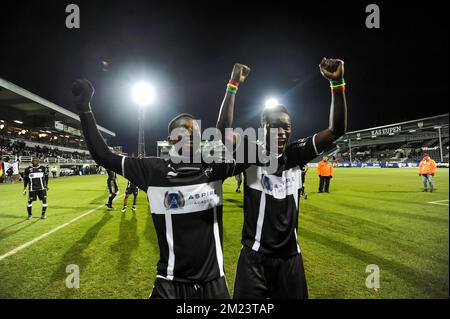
<point>340,89</point>
<point>337,86</point>
<point>337,82</point>
<point>232,87</point>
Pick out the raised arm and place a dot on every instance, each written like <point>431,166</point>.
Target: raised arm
<point>226,113</point>
<point>83,91</point>
<point>333,70</point>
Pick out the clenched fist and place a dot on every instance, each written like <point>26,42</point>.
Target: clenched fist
<point>82,91</point>
<point>240,72</point>
<point>332,69</point>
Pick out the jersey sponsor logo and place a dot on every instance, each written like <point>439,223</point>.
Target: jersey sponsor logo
<point>185,199</point>
<point>174,200</point>
<point>277,186</point>
<point>36,175</point>
<point>208,172</point>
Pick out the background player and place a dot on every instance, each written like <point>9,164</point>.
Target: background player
<point>304,170</point>
<point>36,178</point>
<point>270,264</point>
<point>112,188</point>
<point>239,182</point>
<point>131,189</point>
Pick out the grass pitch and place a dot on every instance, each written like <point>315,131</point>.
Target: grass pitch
<point>371,216</point>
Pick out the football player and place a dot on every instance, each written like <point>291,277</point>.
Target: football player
<point>270,264</point>
<point>131,189</point>
<point>185,199</point>
<point>36,178</point>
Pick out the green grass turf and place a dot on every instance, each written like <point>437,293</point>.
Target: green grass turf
<point>371,216</point>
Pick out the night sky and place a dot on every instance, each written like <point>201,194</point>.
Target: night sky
<point>187,50</point>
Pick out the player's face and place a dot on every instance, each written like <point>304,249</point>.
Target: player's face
<point>282,123</point>
<point>35,162</point>
<point>187,129</point>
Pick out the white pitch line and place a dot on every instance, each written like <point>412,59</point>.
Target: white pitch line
<point>35,240</point>
<point>439,202</point>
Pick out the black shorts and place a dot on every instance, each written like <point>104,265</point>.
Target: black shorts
<point>33,195</point>
<point>260,276</point>
<point>132,190</point>
<point>168,289</point>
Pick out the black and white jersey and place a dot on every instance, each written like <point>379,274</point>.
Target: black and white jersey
<point>112,182</point>
<point>36,178</point>
<point>271,201</point>
<point>131,187</point>
<point>111,176</point>
<point>186,206</point>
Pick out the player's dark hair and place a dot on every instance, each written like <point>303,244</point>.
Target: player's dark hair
<point>278,108</point>
<point>176,118</point>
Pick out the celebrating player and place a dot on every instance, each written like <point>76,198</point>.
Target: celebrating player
<point>36,178</point>
<point>270,264</point>
<point>185,200</point>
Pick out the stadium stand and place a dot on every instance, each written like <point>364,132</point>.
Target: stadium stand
<point>31,126</point>
<point>395,145</point>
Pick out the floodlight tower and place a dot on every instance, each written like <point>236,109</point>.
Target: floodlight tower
<point>143,95</point>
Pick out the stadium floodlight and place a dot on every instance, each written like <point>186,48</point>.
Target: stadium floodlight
<point>271,103</point>
<point>143,94</point>
<point>18,122</point>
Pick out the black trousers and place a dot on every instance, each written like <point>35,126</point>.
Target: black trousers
<point>260,276</point>
<point>324,184</point>
<point>168,289</point>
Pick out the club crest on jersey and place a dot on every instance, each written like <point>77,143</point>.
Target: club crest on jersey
<point>208,172</point>
<point>266,183</point>
<point>174,200</point>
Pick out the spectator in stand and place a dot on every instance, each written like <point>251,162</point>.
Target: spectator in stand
<point>427,169</point>
<point>325,170</point>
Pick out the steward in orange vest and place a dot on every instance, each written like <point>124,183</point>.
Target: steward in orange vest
<point>427,169</point>
<point>325,170</point>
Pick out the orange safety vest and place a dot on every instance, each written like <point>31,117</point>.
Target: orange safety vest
<point>427,167</point>
<point>325,168</point>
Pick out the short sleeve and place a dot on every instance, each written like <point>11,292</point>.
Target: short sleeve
<point>302,151</point>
